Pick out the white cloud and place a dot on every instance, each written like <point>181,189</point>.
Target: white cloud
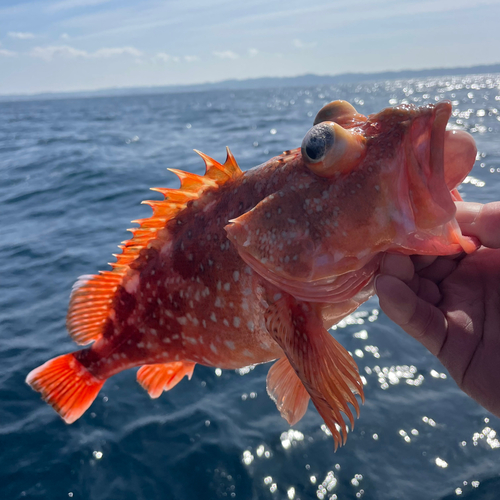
<point>116,51</point>
<point>48,53</point>
<point>65,36</point>
<point>71,4</point>
<point>7,53</point>
<point>226,54</point>
<point>20,35</point>
<point>299,44</point>
<point>252,52</point>
<point>162,57</point>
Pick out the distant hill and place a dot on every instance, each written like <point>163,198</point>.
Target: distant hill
<point>265,82</point>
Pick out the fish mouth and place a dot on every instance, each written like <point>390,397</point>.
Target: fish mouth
<point>438,189</point>
<point>437,160</point>
<point>455,149</point>
<point>441,159</point>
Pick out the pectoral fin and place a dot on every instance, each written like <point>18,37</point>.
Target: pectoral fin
<point>325,368</point>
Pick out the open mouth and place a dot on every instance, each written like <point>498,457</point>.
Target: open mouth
<point>442,113</point>
<point>455,150</point>
<point>437,162</point>
<point>444,158</point>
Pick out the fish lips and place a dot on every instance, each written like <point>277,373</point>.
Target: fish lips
<point>454,149</point>
<point>438,160</point>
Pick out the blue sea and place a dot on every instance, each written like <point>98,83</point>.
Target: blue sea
<point>72,175</point>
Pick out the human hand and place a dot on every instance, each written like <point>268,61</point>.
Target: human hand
<point>451,304</point>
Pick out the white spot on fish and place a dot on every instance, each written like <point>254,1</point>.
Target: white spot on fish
<point>132,284</point>
<point>230,345</point>
<point>213,348</point>
<point>236,321</point>
<point>213,317</point>
<point>236,275</point>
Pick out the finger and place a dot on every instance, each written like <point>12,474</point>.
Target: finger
<point>397,265</point>
<point>481,221</point>
<point>423,321</point>
<point>422,261</point>
<point>439,269</point>
<point>428,291</point>
<point>425,289</point>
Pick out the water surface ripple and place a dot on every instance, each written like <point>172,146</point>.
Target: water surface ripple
<point>72,175</point>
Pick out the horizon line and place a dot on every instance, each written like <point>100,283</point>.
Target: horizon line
<point>180,87</point>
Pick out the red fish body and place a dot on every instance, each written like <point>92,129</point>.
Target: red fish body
<point>235,268</point>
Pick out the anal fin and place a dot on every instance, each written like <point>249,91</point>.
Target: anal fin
<point>287,391</point>
<point>325,368</point>
<point>161,377</point>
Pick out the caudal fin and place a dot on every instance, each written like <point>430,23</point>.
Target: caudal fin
<point>66,385</point>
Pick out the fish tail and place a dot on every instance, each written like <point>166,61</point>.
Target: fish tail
<point>66,385</point>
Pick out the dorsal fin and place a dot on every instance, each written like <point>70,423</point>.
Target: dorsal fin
<point>216,171</point>
<point>92,295</point>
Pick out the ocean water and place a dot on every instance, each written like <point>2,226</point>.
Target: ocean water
<point>72,175</point>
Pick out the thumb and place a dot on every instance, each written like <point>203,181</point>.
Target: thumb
<point>481,221</point>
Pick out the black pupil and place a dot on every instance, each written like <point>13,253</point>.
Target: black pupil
<point>316,142</point>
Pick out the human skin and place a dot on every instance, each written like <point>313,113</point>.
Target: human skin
<point>451,304</point>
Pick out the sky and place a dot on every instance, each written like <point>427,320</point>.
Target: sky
<point>70,45</point>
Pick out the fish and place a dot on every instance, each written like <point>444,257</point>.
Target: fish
<point>236,268</point>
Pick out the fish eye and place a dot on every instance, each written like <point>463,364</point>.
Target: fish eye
<point>328,149</point>
<point>317,142</point>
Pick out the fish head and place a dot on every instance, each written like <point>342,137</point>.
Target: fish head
<point>360,186</point>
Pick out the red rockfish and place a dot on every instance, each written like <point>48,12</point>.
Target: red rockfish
<point>237,268</point>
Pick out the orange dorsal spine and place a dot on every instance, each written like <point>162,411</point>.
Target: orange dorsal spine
<point>92,295</point>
